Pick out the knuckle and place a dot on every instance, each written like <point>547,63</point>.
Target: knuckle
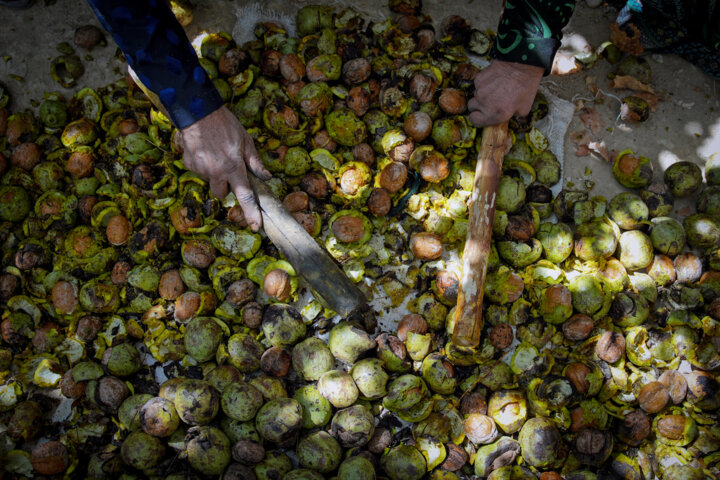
<point>245,197</point>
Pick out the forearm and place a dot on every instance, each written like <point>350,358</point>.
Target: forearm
<point>156,47</point>
<point>530,31</point>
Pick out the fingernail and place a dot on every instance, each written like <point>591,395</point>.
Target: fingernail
<point>254,227</point>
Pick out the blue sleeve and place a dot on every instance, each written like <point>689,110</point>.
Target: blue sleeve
<point>530,31</point>
<point>156,47</point>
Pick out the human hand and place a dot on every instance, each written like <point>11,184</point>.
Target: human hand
<point>219,149</point>
<point>502,90</point>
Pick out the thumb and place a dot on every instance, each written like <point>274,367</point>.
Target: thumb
<point>246,199</point>
<point>255,163</point>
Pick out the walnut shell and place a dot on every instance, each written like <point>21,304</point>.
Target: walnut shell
<point>653,397</point>
<point>118,230</point>
<point>296,202</point>
<point>292,68</point>
<point>418,126</point>
<point>26,156</point>
<point>171,285</point>
<point>610,347</point>
<point>277,284</point>
<point>453,101</point>
<point>65,297</point>
<point>578,327</point>
<point>88,37</point>
<point>379,202</point>
<point>426,245</point>
<point>356,71</point>
<point>348,229</point>
<point>393,176</point>
<point>50,458</point>
<point>81,164</point>
<point>411,322</point>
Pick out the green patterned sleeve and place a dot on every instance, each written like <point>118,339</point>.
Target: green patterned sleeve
<point>530,31</point>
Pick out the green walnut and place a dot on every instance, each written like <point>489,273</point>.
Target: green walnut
<point>313,18</point>
<point>667,236</point>
<point>702,230</point>
<point>15,203</point>
<point>628,210</point>
<point>270,387</point>
<point>683,178</point>
<point>53,112</point>
<point>302,474</point>
<point>311,358</point>
<point>316,409</point>
<point>142,451</point>
<point>404,463</point>
<point>405,392</point>
<point>348,341</point>
<point>547,168</point>
<point>540,442</point>
<point>282,325</point>
<point>241,401</point>
<point>279,420</point>
<point>338,387</point>
<point>370,378</point>
<point>557,241</point>
<point>555,304</point>
<point>99,297</point>
<point>707,202</point>
<point>712,169</point>
<point>275,465</point>
<point>158,417</point>
<point>636,250</point>
<point>208,449</point>
<point>520,254</point>
<point>439,374</point>
<point>659,200</point>
<point>50,176</point>
<point>353,426</point>
<point>196,401</point>
<point>510,194</point>
<point>588,295</point>
<point>503,451</point>
<point>356,468</point>
<point>78,133</point>
<point>244,352</point>
<point>319,451</point>
<point>596,239</point>
<point>629,309</point>
<point>202,338</point>
<point>236,430</point>
<point>345,128</point>
<point>122,360</point>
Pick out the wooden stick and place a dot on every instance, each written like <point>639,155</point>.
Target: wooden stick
<point>308,259</point>
<point>468,315</point>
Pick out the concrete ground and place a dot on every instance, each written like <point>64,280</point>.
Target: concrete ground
<point>686,124</point>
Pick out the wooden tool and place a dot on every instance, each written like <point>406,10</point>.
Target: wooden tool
<point>308,259</point>
<point>468,315</point>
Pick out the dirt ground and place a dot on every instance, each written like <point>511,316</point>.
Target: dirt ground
<point>685,125</point>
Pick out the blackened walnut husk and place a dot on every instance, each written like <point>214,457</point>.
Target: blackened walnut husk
<point>248,452</point>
